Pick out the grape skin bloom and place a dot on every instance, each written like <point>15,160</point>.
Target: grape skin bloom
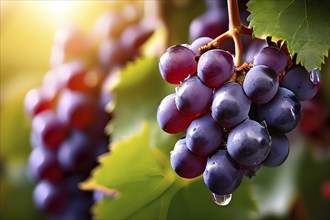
<point>177,63</point>
<point>215,67</point>
<point>230,105</point>
<point>249,143</point>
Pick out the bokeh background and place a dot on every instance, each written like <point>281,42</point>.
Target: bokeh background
<point>27,35</point>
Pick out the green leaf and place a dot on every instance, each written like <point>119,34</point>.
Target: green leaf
<point>303,24</point>
<point>148,189</point>
<point>133,171</point>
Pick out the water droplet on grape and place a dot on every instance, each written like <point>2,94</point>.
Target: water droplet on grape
<point>221,200</point>
<point>315,77</point>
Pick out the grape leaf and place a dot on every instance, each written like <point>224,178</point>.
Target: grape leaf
<point>303,24</point>
<point>134,172</point>
<point>148,189</point>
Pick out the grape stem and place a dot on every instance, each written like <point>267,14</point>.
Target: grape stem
<point>235,29</point>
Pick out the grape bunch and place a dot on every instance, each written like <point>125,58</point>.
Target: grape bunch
<point>68,111</point>
<point>234,118</point>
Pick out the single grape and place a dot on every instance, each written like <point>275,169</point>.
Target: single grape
<point>196,44</point>
<point>272,57</point>
<point>184,162</point>
<point>260,84</point>
<point>74,76</point>
<point>302,83</point>
<point>76,108</point>
<point>177,63</point>
<point>43,164</point>
<point>248,143</point>
<point>221,175</point>
<point>193,97</point>
<point>169,118</point>
<point>111,54</point>
<point>204,136</point>
<point>35,102</point>
<point>49,197</point>
<point>283,112</point>
<point>133,37</point>
<point>215,67</point>
<point>230,105</point>
<point>49,129</point>
<point>252,49</point>
<point>76,153</point>
<point>279,150</point>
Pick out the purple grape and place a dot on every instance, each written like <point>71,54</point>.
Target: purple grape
<point>134,36</point>
<point>49,197</point>
<point>283,112</point>
<point>252,49</point>
<point>49,129</point>
<point>193,97</point>
<point>169,118</point>
<point>196,44</point>
<point>77,208</point>
<point>230,105</point>
<point>216,5</point>
<point>74,76</point>
<point>210,24</point>
<point>204,136</point>
<point>35,102</point>
<point>279,150</point>
<point>220,175</point>
<point>76,108</point>
<point>111,54</point>
<point>215,67</point>
<point>76,153</point>
<point>177,63</point>
<point>184,162</point>
<point>272,57</point>
<point>302,83</point>
<point>260,84</point>
<point>248,143</point>
<point>43,164</point>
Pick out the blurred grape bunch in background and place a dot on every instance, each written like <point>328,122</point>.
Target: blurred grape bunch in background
<point>68,111</point>
<point>33,41</point>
